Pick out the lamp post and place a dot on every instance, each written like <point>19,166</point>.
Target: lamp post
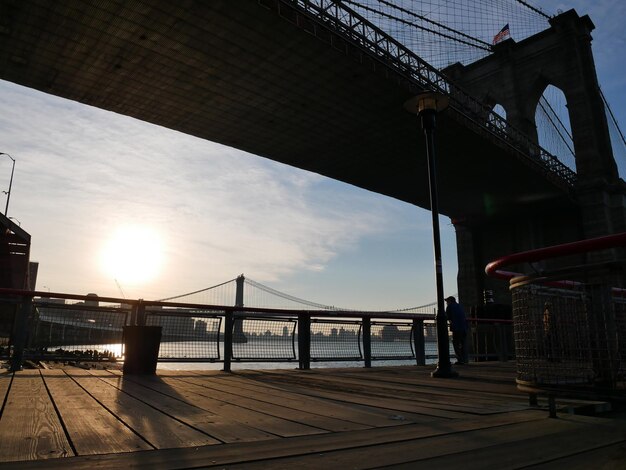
<point>8,193</point>
<point>426,106</point>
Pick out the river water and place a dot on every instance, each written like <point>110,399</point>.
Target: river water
<point>275,355</point>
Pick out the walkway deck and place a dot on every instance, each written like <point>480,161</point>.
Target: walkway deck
<point>330,418</point>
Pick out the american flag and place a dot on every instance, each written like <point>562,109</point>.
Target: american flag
<point>504,33</point>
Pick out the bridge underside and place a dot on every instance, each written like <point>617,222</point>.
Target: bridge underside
<point>241,75</point>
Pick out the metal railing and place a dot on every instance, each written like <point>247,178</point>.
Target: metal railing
<point>187,334</point>
<point>491,339</point>
<point>90,329</point>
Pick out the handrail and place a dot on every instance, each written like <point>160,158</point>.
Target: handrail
<point>215,322</point>
<point>226,308</point>
<point>582,246</point>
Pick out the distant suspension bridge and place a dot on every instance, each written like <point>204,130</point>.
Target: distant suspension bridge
<point>255,294</point>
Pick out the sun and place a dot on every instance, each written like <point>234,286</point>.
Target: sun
<point>133,254</point>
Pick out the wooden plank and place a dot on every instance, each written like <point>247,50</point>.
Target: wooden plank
<point>92,429</point>
<point>502,382</point>
<point>5,381</point>
<point>582,446</point>
<point>459,385</point>
<point>474,372</point>
<point>452,393</point>
<point>281,408</point>
<point>276,395</point>
<point>157,428</point>
<point>213,402</point>
<point>226,394</point>
<point>607,457</point>
<point>270,426</point>
<point>29,426</point>
<point>393,405</point>
<point>444,394</point>
<point>169,401</point>
<point>414,453</point>
<point>229,454</point>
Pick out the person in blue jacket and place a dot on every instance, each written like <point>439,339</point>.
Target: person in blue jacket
<point>458,326</point>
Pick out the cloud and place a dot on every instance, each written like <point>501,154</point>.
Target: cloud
<point>81,172</point>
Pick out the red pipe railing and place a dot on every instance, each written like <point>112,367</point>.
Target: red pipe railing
<point>583,246</point>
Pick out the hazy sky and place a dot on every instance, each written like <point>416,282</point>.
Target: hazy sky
<point>97,191</point>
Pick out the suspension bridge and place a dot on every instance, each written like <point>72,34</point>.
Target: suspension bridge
<point>254,294</point>
<point>320,85</point>
<point>437,32</point>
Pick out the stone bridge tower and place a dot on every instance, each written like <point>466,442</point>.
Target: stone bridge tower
<point>515,77</point>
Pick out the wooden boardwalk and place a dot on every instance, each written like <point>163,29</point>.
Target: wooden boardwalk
<point>396,417</point>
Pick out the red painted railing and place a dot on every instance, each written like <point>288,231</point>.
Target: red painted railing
<point>493,269</point>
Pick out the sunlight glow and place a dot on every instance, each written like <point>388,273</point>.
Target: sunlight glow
<point>133,254</point>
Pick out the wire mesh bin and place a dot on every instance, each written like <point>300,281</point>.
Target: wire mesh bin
<point>569,335</point>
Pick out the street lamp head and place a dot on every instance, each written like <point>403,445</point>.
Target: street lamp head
<point>429,100</point>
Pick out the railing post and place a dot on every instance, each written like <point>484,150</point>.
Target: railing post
<point>304,341</point>
<point>471,337</point>
<point>132,321</point>
<point>419,342</point>
<point>502,343</point>
<point>20,332</point>
<point>228,339</point>
<point>367,341</point>
<point>141,313</point>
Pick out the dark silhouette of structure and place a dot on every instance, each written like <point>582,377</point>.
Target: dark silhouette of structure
<point>322,90</point>
<point>14,255</point>
<point>515,77</point>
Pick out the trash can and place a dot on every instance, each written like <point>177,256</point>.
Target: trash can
<point>141,349</point>
<point>568,335</point>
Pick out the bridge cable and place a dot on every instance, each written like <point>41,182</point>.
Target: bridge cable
<point>536,10</point>
<point>428,20</point>
<point>196,292</point>
<point>409,23</point>
<point>613,118</point>
<point>292,298</point>
<point>429,305</point>
<point>556,128</point>
<point>554,113</point>
<point>420,307</point>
